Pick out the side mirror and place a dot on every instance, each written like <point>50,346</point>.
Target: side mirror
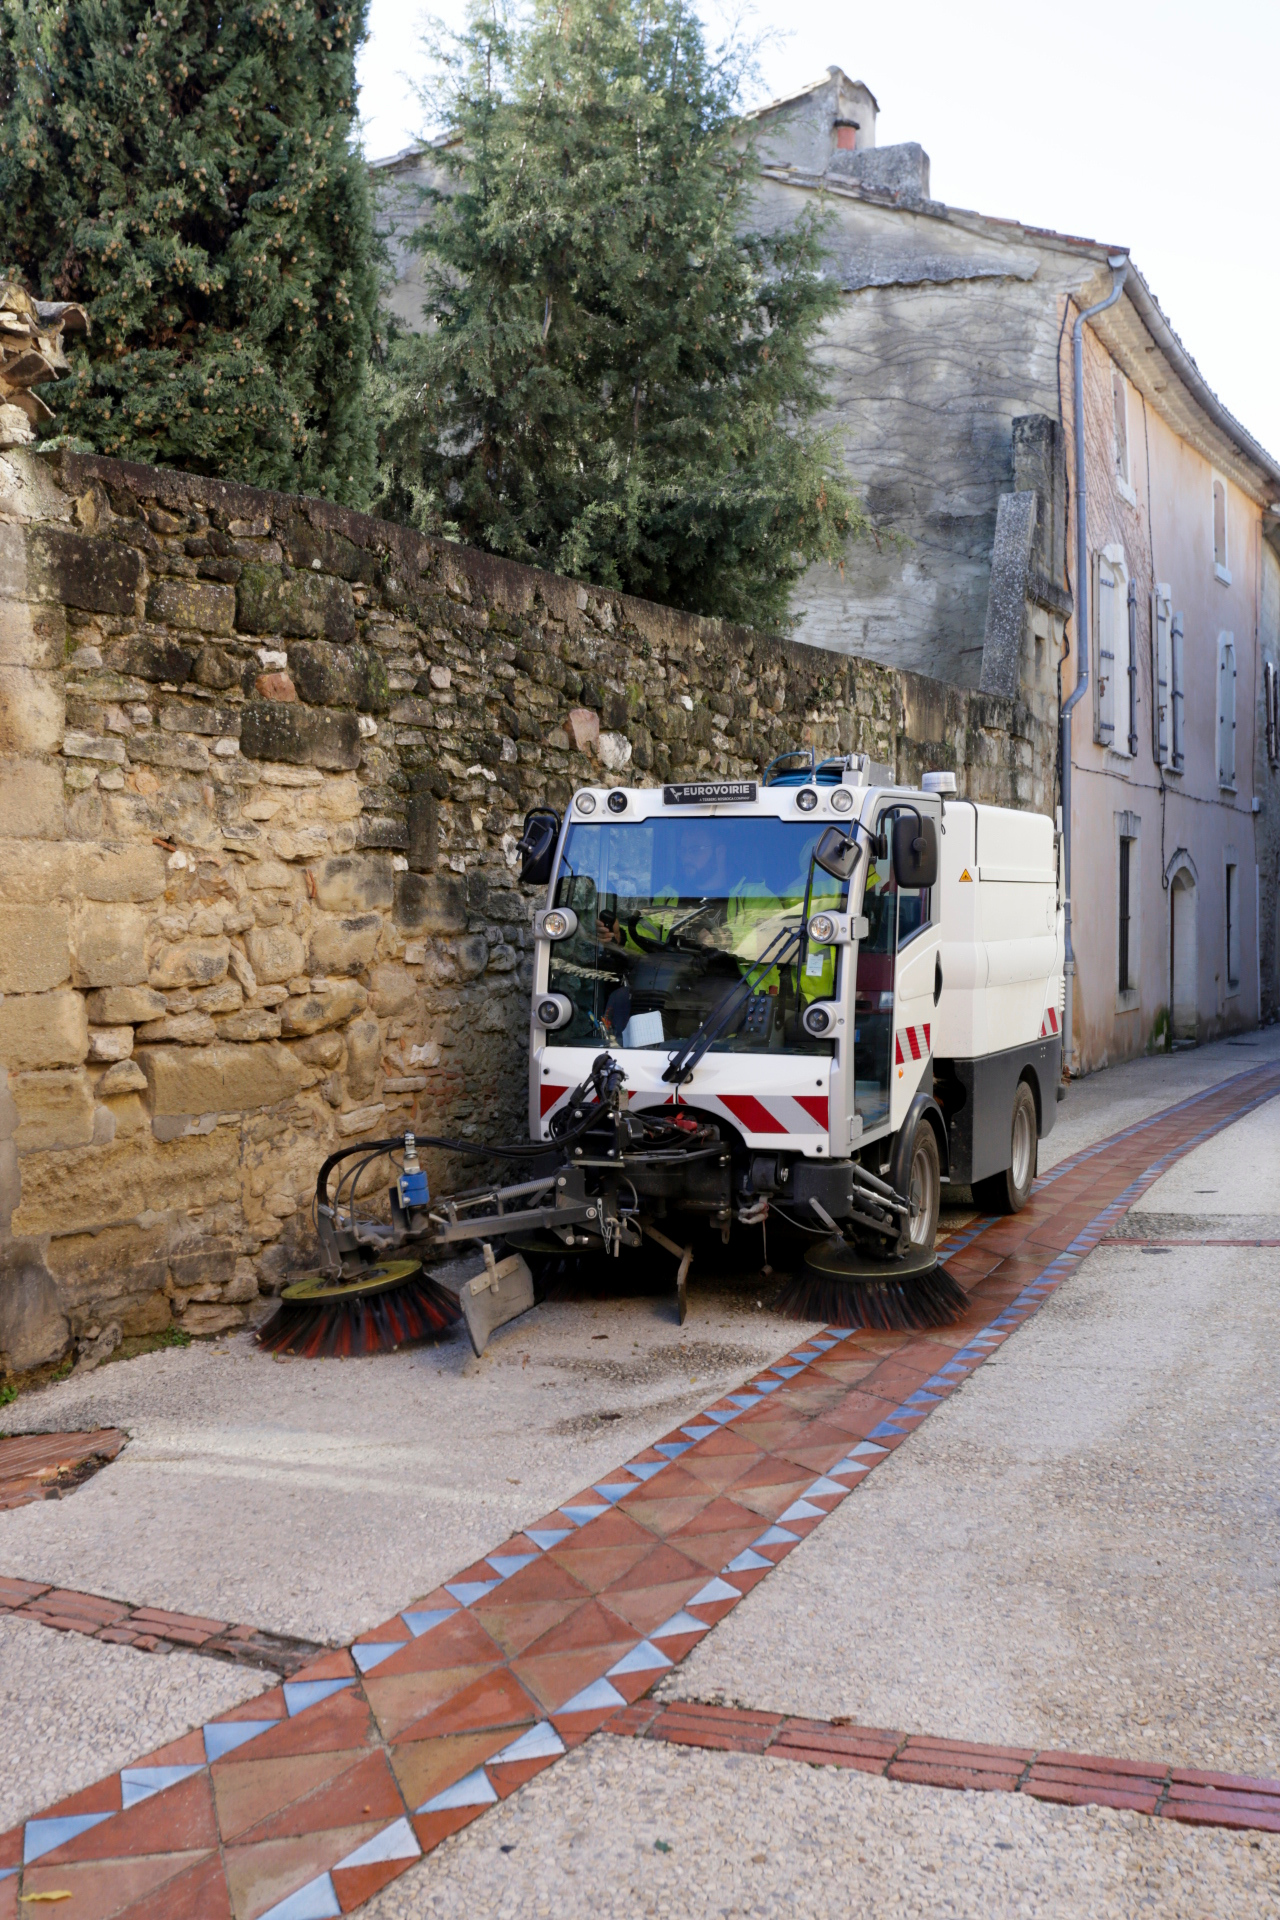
<point>837,853</point>
<point>537,846</point>
<point>915,851</point>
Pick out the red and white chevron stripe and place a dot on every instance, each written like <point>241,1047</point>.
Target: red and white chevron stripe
<point>911,1043</point>
<point>1049,1025</point>
<point>776,1115</point>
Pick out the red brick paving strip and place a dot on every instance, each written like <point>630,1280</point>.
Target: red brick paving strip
<point>32,1464</point>
<point>1075,1779</point>
<point>152,1631</point>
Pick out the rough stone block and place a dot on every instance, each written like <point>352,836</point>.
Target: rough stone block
<point>328,1007</point>
<point>394,990</point>
<point>423,824</point>
<point>435,903</point>
<point>363,1119</point>
<point>112,1006</point>
<point>31,636</point>
<point>13,562</point>
<point>364,1056</point>
<point>197,606</point>
<point>190,963</point>
<point>33,1327</point>
<point>93,746</point>
<point>226,997</point>
<point>43,1030</point>
<point>125,1077</point>
<point>275,954</point>
<point>156,749</point>
<point>218,1078</point>
<point>55,1109</point>
<point>32,711</point>
<point>352,884</point>
<point>93,1186</point>
<point>300,736</point>
<point>329,676</point>
<point>35,953</point>
<point>159,659</point>
<point>206,1321</point>
<point>251,1023</point>
<point>110,1043</point>
<point>344,946</point>
<point>184,1029</point>
<point>31,806</point>
<point>108,944</point>
<point>114,873</point>
<point>95,575</point>
<point>307,605</point>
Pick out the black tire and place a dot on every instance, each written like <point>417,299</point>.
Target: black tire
<point>1008,1192</point>
<point>924,1187</point>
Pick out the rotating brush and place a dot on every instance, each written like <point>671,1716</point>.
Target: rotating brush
<point>382,1308</point>
<point>842,1287</point>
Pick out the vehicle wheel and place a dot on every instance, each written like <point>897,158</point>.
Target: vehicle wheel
<point>924,1187</point>
<point>1008,1192</point>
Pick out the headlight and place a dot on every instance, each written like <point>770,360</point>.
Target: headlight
<point>557,923</point>
<point>617,801</point>
<point>586,803</point>
<point>842,801</point>
<point>553,1010</point>
<point>806,799</point>
<point>819,1019</point>
<point>823,929</point>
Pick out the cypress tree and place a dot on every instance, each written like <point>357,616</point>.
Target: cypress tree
<point>185,169</point>
<point>617,378</point>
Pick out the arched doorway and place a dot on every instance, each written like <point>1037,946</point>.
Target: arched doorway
<point>1183,959</point>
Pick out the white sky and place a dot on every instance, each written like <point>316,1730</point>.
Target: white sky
<point>1146,125</point>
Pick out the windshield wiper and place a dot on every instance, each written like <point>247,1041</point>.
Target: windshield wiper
<point>686,1057</point>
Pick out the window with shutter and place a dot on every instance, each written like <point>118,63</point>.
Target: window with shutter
<point>1176,735</point>
<point>1226,710</point>
<point>1105,623</point>
<point>1221,562</point>
<point>1131,676</point>
<point>1271,708</point>
<point>1162,717</point>
<point>1120,411</point>
<point>1233,928</point>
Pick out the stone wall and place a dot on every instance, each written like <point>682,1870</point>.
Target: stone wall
<point>263,765</point>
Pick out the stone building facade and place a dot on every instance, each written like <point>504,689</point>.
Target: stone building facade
<point>263,765</point>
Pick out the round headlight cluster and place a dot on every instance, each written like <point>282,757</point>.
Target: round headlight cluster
<point>842,801</point>
<point>823,929</point>
<point>818,1019</point>
<point>806,799</point>
<point>555,924</point>
<point>617,801</point>
<point>586,803</point>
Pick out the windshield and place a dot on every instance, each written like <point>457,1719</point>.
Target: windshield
<point>673,914</point>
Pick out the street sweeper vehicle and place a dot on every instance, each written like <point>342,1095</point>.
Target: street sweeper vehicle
<point>812,1000</point>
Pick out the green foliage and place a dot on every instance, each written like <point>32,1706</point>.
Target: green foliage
<point>185,170</point>
<point>618,381</point>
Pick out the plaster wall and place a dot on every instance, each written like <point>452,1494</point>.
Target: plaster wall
<point>263,765</point>
<point>1179,822</point>
<point>1266,785</point>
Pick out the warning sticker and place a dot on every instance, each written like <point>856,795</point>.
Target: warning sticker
<point>966,875</point>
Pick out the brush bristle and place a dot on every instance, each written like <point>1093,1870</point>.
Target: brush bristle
<point>888,1305</point>
<point>372,1323</point>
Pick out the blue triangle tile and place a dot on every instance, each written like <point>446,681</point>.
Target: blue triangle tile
<point>747,1562</point>
<point>547,1537</point>
<point>424,1619</point>
<point>775,1537</point>
<point>224,1736</point>
<point>316,1901</point>
<point>42,1836</point>
<point>374,1652</point>
<point>467,1592</point>
<point>474,1790</point>
<point>672,1448</point>
<point>599,1694</point>
<point>301,1694</point>
<point>642,1659</point>
<point>613,1491</point>
<point>581,1515</point>
<point>505,1564</point>
<point>645,1469</point>
<point>139,1783</point>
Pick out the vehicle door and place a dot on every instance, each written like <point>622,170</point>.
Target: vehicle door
<point>894,991</point>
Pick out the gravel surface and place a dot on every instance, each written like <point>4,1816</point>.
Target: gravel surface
<point>316,1497</point>
<point>750,1836</point>
<point>74,1709</point>
<point>1080,1548</point>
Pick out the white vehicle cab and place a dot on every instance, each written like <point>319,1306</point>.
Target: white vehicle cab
<point>853,988</point>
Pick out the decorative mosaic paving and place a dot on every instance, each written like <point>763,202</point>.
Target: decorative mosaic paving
<point>302,1803</point>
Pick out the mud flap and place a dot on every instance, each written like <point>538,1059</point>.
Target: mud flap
<point>502,1290</point>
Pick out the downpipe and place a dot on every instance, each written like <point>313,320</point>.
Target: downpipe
<point>1119,265</point>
